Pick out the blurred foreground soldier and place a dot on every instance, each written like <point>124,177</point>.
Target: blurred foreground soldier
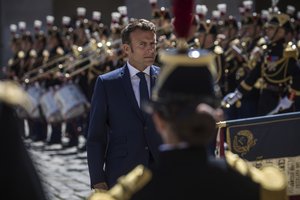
<point>18,175</point>
<point>55,49</point>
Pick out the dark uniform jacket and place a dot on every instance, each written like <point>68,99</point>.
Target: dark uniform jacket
<point>279,71</point>
<point>190,174</point>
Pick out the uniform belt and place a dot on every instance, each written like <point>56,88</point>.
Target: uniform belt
<point>273,88</point>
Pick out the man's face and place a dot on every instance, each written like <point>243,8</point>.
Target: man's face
<point>141,51</point>
<point>270,31</point>
<point>275,33</point>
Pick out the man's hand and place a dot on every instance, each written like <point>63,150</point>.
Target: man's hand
<point>101,186</point>
<point>283,104</point>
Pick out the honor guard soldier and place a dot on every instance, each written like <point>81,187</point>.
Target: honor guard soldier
<point>96,20</point>
<point>37,126</point>
<point>67,34</point>
<point>52,81</point>
<point>278,72</point>
<point>15,46</point>
<point>99,31</point>
<point>115,27</point>
<point>229,29</point>
<point>81,40</point>
<point>39,45</point>
<point>162,19</point>
<point>207,38</point>
<point>244,61</point>
<point>26,46</point>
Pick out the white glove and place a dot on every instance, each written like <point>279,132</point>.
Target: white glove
<point>283,104</point>
<point>231,98</point>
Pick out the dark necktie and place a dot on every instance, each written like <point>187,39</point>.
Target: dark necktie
<point>144,95</point>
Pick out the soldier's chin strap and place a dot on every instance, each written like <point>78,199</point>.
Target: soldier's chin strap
<point>202,45</point>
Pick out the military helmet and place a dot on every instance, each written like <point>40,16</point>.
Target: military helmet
<point>186,76</point>
<point>279,20</point>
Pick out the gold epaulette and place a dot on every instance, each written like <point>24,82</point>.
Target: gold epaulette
<point>13,94</point>
<point>126,185</point>
<point>272,181</point>
<point>291,51</point>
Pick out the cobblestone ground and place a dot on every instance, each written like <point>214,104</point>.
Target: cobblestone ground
<point>64,172</point>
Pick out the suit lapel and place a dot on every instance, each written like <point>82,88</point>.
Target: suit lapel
<point>126,82</point>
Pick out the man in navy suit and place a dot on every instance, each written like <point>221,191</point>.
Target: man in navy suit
<point>120,134</point>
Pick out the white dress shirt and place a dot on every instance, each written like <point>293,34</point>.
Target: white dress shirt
<point>135,81</point>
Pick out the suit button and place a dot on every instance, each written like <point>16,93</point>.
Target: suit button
<point>145,128</point>
<point>146,148</point>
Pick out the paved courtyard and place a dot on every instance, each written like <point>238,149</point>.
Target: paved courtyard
<point>64,172</point>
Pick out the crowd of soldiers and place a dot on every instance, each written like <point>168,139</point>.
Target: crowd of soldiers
<point>58,68</point>
<point>256,58</point>
<point>257,61</point>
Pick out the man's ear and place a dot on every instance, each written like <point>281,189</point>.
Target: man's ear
<point>125,48</point>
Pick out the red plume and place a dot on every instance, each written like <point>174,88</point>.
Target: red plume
<point>182,10</point>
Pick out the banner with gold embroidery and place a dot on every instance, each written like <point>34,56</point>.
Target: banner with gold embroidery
<point>266,140</point>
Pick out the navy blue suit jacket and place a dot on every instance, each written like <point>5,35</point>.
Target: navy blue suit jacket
<point>119,136</point>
